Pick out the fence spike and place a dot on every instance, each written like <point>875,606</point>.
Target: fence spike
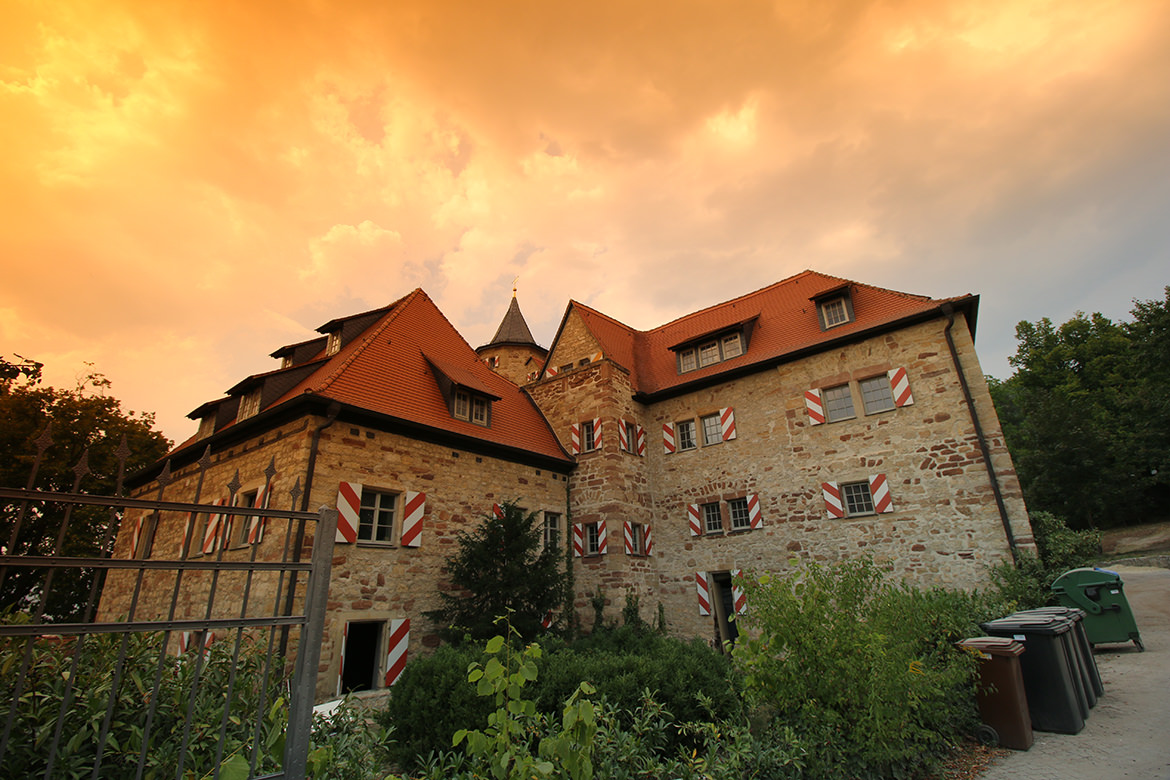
<point>234,486</point>
<point>81,469</point>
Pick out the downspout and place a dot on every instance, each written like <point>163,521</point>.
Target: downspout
<point>331,417</point>
<point>949,311</point>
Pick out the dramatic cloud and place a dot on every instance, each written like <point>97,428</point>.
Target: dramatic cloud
<point>187,186</point>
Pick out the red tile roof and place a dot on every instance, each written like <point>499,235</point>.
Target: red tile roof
<point>385,370</point>
<point>784,323</point>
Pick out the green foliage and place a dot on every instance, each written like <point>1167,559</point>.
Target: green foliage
<point>1086,416</point>
<point>1026,584</point>
<point>81,418</point>
<point>862,670</point>
<point>502,568</point>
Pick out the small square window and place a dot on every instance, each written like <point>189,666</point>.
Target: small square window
<point>567,367</point>
<point>740,517</point>
<point>858,500</point>
<point>838,403</point>
<point>552,530</point>
<point>686,434</point>
<point>835,312</point>
<point>712,520</point>
<point>709,354</point>
<point>732,346</point>
<point>712,430</point>
<point>631,436</point>
<point>686,361</point>
<point>376,517</point>
<point>876,395</point>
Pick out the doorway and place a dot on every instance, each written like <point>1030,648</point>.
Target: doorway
<point>360,661</point>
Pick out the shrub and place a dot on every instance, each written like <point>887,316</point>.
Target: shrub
<point>1026,583</point>
<point>860,669</point>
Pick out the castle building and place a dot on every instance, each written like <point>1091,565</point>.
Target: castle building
<point>817,418</point>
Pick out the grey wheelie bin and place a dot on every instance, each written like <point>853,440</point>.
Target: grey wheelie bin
<point>1101,594</point>
<point>1052,679</point>
<point>1003,704</point>
<point>1094,688</point>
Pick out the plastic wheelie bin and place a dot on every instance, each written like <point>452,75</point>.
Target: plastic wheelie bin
<point>1101,594</point>
<point>1089,672</point>
<point>1052,679</point>
<point>1003,704</point>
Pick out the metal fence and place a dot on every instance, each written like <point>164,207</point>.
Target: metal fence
<point>167,664</point>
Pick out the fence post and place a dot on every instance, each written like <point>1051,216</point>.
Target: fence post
<point>304,684</point>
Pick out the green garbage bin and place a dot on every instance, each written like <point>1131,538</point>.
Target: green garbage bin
<point>1101,594</point>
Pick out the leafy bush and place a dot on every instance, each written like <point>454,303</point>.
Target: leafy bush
<point>1026,583</point>
<point>861,669</point>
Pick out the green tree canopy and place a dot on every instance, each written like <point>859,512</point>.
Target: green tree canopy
<point>501,566</point>
<point>1086,416</point>
<point>83,420</point>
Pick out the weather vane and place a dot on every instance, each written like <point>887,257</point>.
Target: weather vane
<point>514,286</point>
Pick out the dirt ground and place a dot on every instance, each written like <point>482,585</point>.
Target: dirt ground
<point>1154,537</point>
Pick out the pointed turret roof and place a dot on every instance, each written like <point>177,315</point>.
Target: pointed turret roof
<point>513,329</point>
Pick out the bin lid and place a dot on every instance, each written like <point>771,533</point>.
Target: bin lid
<point>1086,577</point>
<point>1024,624</point>
<point>993,645</point>
<point>1072,613</point>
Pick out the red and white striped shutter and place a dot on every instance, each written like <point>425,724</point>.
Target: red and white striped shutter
<point>727,423</point>
<point>900,384</point>
<point>623,436</point>
<point>399,643</point>
<point>575,438</point>
<point>602,545</point>
<point>737,595</point>
<point>136,538</point>
<point>546,621</point>
<point>628,535</point>
<point>648,541</point>
<point>832,494</point>
<point>879,490</point>
<point>256,523</point>
<point>498,511</point>
<point>641,450</point>
<point>349,507</point>
<point>413,509</point>
<point>184,641</point>
<point>578,540</point>
<point>341,660</point>
<point>211,533</point>
<point>668,438</point>
<point>694,520</point>
<point>550,372</point>
<point>816,408</point>
<point>596,433</point>
<point>208,638</point>
<point>596,356</point>
<point>754,516</point>
<point>704,590</point>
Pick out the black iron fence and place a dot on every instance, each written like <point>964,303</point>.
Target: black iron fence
<point>186,644</point>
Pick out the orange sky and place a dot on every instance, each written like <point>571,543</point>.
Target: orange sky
<point>186,186</point>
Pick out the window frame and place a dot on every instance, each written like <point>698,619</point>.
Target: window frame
<point>588,436</point>
<point>461,405</point>
<point>880,381</point>
<point>830,304</point>
<point>333,342</point>
<point>638,539</point>
<point>591,543</point>
<point>855,497</point>
<point>830,416</point>
<point>249,404</point>
<point>715,434</point>
<point>631,435</point>
<point>700,355</point>
<point>679,427</point>
<point>739,510</point>
<point>711,511</point>
<point>551,531</point>
<point>377,495</point>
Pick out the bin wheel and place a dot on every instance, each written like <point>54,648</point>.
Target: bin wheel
<point>986,735</point>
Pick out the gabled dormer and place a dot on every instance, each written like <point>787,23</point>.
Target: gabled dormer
<point>341,331</point>
<point>834,306</point>
<point>296,354</point>
<point>466,396</point>
<point>715,346</point>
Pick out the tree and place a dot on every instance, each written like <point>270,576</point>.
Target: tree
<point>83,420</point>
<point>501,567</point>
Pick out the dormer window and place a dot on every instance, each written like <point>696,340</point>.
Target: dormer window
<point>333,345</point>
<point>206,426</point>
<point>286,361</point>
<point>834,307</point>
<point>471,407</point>
<point>834,312</point>
<point>710,351</point>
<point>249,405</point>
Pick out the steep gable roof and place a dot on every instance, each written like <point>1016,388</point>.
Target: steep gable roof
<point>783,324</point>
<point>388,369</point>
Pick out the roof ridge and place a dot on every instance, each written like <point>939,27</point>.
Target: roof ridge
<point>603,315</point>
<point>394,310</point>
<point>765,288</point>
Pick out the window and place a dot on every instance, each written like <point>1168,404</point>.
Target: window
<point>592,539</point>
<point>238,536</point>
<point>631,436</point>
<point>472,408</point>
<point>567,367</point>
<point>583,362</point>
<point>710,352</point>
<point>552,530</point>
<point>712,429</point>
<point>144,537</point>
<point>838,403</point>
<point>479,411</point>
<point>685,431</point>
<point>712,520</point>
<point>206,426</point>
<point>740,517</point>
<point>249,404</point>
<point>376,517</point>
<point>857,499</point>
<point>588,436</point>
<point>834,312</point>
<point>462,404</point>
<point>333,345</point>
<point>876,395</point>
<point>636,543</point>
<point>286,361</point>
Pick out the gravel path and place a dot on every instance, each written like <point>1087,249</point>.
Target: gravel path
<point>1127,735</point>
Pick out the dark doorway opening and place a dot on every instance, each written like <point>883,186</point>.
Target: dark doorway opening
<point>723,601</point>
<point>361,656</point>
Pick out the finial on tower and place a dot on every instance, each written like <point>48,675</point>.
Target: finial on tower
<point>514,286</point>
